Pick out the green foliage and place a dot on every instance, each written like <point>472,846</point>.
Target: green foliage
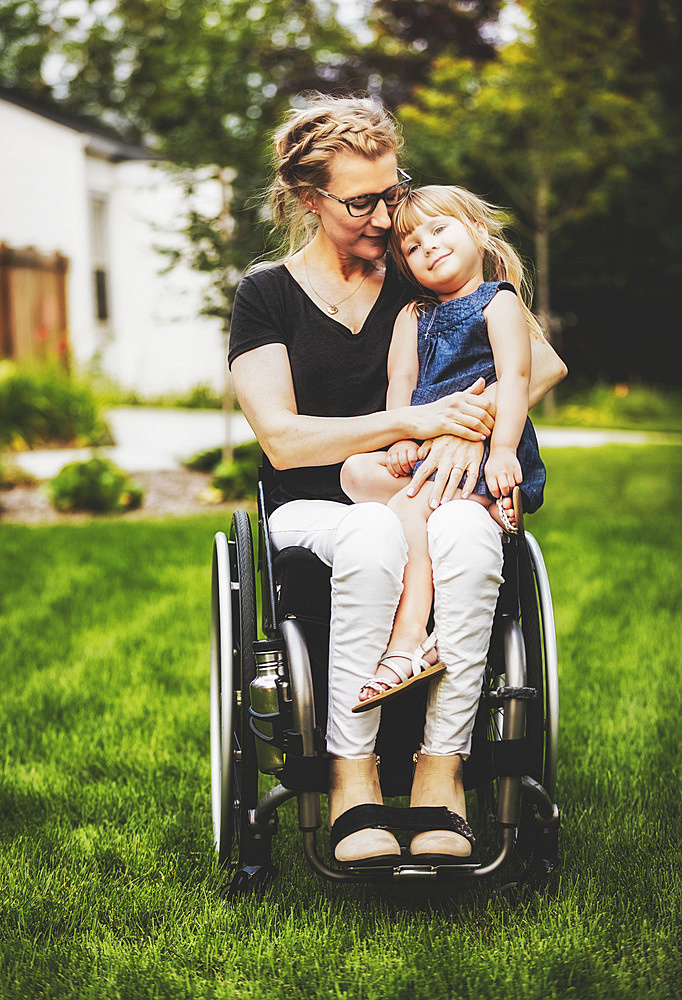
<point>26,37</point>
<point>201,397</point>
<point>410,36</point>
<point>44,406</point>
<point>573,127</point>
<point>634,407</point>
<point>96,485</point>
<point>205,461</point>
<point>237,479</point>
<point>12,475</point>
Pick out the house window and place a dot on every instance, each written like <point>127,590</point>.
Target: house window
<point>99,236</point>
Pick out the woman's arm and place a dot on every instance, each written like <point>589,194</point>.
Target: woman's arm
<point>264,388</point>
<point>546,370</point>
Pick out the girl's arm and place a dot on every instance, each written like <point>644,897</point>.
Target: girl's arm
<point>403,370</point>
<point>403,363</point>
<point>449,456</point>
<point>510,341</point>
<point>264,387</point>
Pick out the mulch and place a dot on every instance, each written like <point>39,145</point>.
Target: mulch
<point>170,493</point>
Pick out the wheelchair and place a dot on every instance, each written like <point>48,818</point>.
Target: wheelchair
<point>268,703</point>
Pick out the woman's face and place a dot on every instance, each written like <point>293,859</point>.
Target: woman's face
<point>352,175</point>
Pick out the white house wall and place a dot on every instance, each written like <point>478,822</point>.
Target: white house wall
<point>43,205</point>
<point>155,340</point>
<point>162,341</point>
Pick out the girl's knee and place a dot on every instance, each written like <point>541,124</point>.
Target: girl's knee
<point>359,476</point>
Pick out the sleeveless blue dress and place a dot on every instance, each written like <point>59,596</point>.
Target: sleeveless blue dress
<point>454,350</point>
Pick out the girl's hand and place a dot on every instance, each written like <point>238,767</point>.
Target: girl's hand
<point>401,458</point>
<point>502,471</point>
<point>450,458</point>
<point>464,414</point>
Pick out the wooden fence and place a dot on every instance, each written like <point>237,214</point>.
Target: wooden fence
<point>33,314</point>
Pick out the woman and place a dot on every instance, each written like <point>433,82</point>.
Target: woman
<point>308,352</point>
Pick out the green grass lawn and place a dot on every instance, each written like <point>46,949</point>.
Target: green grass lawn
<point>108,884</point>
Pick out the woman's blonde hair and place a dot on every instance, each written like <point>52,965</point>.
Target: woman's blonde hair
<point>485,223</point>
<point>304,146</point>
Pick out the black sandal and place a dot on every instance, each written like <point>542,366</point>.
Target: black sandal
<point>363,817</point>
<point>419,819</point>
<point>442,818</point>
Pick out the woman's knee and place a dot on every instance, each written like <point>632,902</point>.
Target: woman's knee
<point>371,535</point>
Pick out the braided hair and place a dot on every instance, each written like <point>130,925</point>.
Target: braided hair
<point>304,146</point>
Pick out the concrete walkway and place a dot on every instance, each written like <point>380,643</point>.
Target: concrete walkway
<point>152,440</point>
<point>147,440</point>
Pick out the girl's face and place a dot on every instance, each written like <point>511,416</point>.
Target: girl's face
<point>444,257</point>
<point>350,176</point>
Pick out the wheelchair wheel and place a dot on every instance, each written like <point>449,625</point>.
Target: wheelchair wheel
<point>542,714</point>
<point>536,620</point>
<point>234,769</point>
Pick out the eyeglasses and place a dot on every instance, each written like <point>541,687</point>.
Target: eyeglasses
<point>364,204</point>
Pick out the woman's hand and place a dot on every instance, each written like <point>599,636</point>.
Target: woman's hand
<point>451,458</point>
<point>401,458</point>
<point>465,414</point>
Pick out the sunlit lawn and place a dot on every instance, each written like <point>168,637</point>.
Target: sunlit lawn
<point>108,884</point>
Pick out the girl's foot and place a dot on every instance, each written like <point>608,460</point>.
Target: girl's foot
<point>399,669</point>
<point>502,512</point>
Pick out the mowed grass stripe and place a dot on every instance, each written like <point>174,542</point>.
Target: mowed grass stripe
<point>108,884</point>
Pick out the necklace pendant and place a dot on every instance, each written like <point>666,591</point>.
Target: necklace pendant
<point>332,310</point>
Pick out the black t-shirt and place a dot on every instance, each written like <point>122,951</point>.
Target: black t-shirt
<point>336,373</point>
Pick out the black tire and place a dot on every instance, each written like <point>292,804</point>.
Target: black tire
<point>234,769</point>
<point>244,613</point>
<point>537,624</point>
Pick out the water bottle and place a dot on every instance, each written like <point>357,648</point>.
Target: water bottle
<point>269,657</point>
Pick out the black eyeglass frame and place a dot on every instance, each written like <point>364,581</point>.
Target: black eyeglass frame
<point>377,197</point>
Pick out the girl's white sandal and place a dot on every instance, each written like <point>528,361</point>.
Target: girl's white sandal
<point>422,671</point>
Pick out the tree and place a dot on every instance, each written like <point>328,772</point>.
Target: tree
<point>553,125</point>
<point>411,34</point>
<point>205,83</point>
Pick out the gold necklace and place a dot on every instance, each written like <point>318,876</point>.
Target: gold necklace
<point>332,307</point>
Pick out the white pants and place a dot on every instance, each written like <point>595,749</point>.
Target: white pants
<point>365,547</point>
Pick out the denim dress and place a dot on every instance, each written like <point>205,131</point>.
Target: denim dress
<point>454,350</point>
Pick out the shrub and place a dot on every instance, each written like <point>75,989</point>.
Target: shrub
<point>205,461</point>
<point>96,485</point>
<point>42,406</point>
<point>622,406</point>
<point>12,475</point>
<point>237,479</point>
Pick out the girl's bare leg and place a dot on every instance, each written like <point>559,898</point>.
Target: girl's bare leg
<point>364,478</point>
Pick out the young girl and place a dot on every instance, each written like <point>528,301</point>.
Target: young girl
<point>467,322</point>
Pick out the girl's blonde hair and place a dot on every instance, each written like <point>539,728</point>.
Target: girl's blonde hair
<point>304,146</point>
<point>485,224</point>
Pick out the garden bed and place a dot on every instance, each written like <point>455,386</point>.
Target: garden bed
<point>168,493</point>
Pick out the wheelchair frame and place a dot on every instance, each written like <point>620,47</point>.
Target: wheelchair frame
<point>514,751</point>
